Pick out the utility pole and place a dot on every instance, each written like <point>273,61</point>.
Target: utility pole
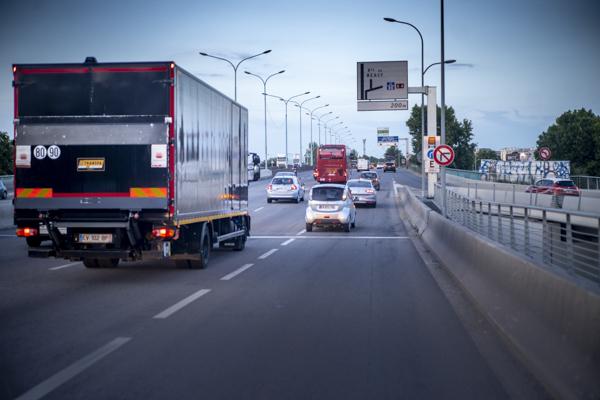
<point>364,147</point>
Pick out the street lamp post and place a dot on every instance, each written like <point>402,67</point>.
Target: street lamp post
<point>331,127</point>
<point>234,66</point>
<point>312,161</point>
<point>286,101</point>
<point>325,125</point>
<point>319,118</point>
<point>422,97</point>
<point>300,104</point>
<point>264,82</point>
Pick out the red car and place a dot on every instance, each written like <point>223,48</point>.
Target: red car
<point>560,187</point>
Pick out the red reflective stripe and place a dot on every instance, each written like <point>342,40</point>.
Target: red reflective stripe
<point>27,71</point>
<point>129,69</point>
<point>171,149</point>
<point>93,194</point>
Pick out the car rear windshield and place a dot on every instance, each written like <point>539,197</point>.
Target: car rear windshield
<point>359,184</point>
<point>282,181</point>
<point>370,175</point>
<point>327,194</point>
<point>565,183</point>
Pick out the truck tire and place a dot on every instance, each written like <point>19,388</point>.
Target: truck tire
<point>33,241</point>
<point>204,250</point>
<point>240,242</point>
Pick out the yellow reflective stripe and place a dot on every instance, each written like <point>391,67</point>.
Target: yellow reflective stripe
<point>148,192</point>
<point>30,193</point>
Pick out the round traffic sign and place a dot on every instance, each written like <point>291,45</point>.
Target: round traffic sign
<point>443,155</point>
<point>544,153</point>
<point>430,154</point>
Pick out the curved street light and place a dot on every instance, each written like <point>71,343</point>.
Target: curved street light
<point>235,67</point>
<point>299,105</point>
<point>438,63</point>
<point>325,125</point>
<point>312,161</point>
<point>319,118</point>
<point>264,82</point>
<point>286,101</point>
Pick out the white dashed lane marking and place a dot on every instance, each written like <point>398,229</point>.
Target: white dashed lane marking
<point>236,272</point>
<point>267,254</point>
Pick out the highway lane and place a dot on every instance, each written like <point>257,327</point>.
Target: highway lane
<point>302,315</point>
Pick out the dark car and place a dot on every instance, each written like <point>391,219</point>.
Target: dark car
<point>3,191</point>
<point>389,166</point>
<point>372,176</point>
<point>554,186</point>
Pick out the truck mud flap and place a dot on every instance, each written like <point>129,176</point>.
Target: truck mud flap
<point>41,252</point>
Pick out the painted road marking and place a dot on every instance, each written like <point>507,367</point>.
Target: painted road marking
<point>319,237</point>
<point>301,232</point>
<point>258,209</point>
<point>64,266</point>
<point>267,254</point>
<point>288,242</point>
<point>236,272</point>
<point>8,235</point>
<point>178,306</point>
<point>73,370</point>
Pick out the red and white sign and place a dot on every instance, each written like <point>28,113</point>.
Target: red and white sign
<point>545,153</point>
<point>159,156</point>
<point>443,155</point>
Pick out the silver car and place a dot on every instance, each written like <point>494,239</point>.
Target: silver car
<point>330,205</point>
<point>362,192</point>
<point>285,188</point>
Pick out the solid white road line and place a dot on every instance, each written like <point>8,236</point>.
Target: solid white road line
<point>301,232</point>
<point>236,272</point>
<point>8,235</point>
<point>64,266</point>
<point>319,237</point>
<point>288,242</point>
<point>258,209</point>
<point>73,370</point>
<point>267,254</point>
<point>178,306</point>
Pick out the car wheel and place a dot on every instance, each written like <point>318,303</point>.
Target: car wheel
<point>297,199</point>
<point>374,205</point>
<point>308,227</point>
<point>269,200</point>
<point>347,227</point>
<point>353,224</point>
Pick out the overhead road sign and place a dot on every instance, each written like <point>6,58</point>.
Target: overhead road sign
<point>443,155</point>
<point>382,105</point>
<point>387,139</point>
<point>383,131</point>
<point>545,153</point>
<point>382,80</point>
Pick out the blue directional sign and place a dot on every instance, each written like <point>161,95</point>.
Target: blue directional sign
<point>430,154</point>
<point>387,139</point>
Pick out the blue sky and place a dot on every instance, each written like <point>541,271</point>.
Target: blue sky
<point>520,64</point>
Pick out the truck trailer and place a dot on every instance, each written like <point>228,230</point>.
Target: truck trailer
<point>127,161</point>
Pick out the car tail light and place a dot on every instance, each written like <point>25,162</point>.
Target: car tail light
<point>293,187</point>
<point>164,232</point>
<point>27,232</point>
<point>269,187</point>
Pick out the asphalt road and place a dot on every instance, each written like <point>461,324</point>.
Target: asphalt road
<point>296,315</point>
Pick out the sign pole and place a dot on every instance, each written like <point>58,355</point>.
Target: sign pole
<point>443,108</point>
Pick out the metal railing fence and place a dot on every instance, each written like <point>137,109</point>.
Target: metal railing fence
<point>568,240</point>
<point>586,182</point>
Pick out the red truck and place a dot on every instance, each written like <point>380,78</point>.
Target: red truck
<point>332,164</point>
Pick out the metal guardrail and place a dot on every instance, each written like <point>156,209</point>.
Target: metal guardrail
<point>587,182</point>
<point>568,240</point>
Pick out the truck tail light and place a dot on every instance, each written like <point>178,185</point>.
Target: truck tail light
<point>164,232</point>
<point>27,232</point>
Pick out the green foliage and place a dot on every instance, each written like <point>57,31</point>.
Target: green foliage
<point>575,136</point>
<point>393,153</point>
<point>459,135</point>
<point>486,154</point>
<point>353,154</point>
<point>6,154</point>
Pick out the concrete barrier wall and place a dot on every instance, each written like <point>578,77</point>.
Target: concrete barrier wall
<point>549,318</point>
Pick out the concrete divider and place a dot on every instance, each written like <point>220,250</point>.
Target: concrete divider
<point>550,319</point>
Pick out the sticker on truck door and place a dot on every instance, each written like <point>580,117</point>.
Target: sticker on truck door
<point>90,164</point>
<point>23,157</point>
<point>159,156</point>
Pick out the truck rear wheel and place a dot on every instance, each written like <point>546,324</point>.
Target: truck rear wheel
<point>240,242</point>
<point>33,241</point>
<point>204,251</point>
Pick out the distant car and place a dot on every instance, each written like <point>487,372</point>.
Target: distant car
<point>373,177</point>
<point>380,165</point>
<point>554,186</point>
<point>330,205</point>
<point>285,173</point>
<point>362,192</point>
<point>285,188</point>
<point>389,166</point>
<point>3,191</point>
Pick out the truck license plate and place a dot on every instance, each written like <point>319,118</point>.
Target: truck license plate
<point>95,238</point>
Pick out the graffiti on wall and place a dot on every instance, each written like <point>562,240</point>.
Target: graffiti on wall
<point>537,169</point>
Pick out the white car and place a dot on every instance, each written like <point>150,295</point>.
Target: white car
<point>330,205</point>
<point>285,188</point>
<point>362,192</point>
